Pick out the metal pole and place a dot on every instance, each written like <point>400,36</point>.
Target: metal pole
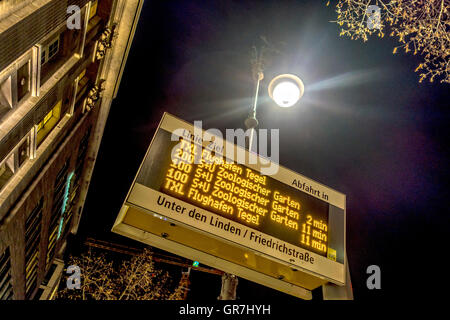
<point>331,291</point>
<point>229,285</point>
<point>230,281</point>
<point>251,122</point>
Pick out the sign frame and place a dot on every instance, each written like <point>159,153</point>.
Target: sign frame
<point>170,123</point>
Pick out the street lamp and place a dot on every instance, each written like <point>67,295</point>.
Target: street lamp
<point>286,90</point>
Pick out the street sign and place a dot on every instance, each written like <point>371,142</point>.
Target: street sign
<point>282,230</point>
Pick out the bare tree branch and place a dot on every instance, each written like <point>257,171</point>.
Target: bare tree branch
<point>421,26</point>
<point>134,279</point>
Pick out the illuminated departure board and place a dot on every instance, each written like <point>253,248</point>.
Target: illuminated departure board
<point>241,194</point>
<point>190,193</point>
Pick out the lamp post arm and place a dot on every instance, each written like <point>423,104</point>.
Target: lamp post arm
<point>251,122</point>
<point>259,76</point>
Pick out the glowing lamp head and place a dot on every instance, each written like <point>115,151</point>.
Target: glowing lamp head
<point>286,90</point>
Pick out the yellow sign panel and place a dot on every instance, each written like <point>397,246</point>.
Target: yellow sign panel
<point>245,196</point>
<point>282,226</point>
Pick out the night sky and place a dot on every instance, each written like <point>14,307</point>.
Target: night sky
<point>364,127</point>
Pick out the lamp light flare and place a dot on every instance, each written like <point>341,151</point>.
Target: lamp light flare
<point>286,90</point>
<point>286,94</point>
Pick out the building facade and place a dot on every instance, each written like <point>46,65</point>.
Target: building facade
<point>60,67</point>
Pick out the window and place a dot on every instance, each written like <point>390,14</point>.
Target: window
<point>82,85</point>
<point>82,151</point>
<point>43,57</point>
<point>52,243</point>
<point>53,49</point>
<point>94,19</point>
<point>93,11</point>
<point>48,123</point>
<point>23,151</point>
<point>7,170</point>
<point>82,76</point>
<point>68,205</point>
<point>49,51</point>
<point>6,290</point>
<point>6,102</point>
<point>23,81</point>
<point>51,57</point>
<point>14,161</point>
<point>32,240</point>
<point>82,81</point>
<point>68,98</point>
<point>57,50</point>
<point>86,79</point>
<point>57,210</point>
<point>17,82</point>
